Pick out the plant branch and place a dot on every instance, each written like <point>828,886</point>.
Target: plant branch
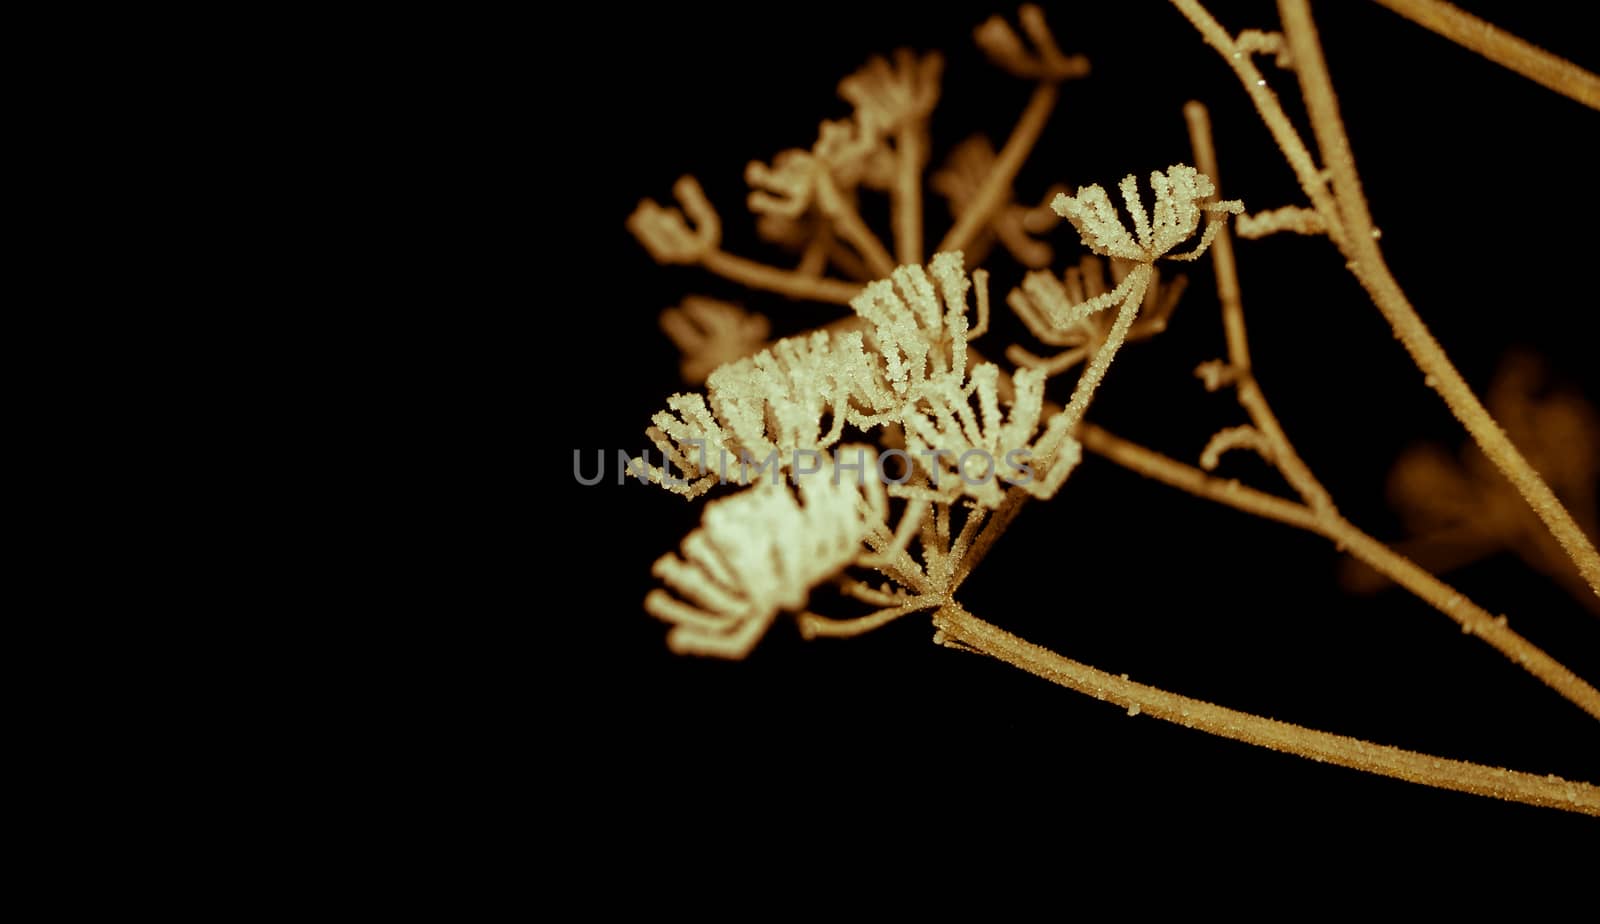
<point>1365,260</point>
<point>1312,181</point>
<point>1138,283</point>
<point>1473,619</point>
<point>1227,491</point>
<point>992,193</point>
<point>1284,458</point>
<point>960,629</point>
<point>1503,48</point>
<point>784,282</point>
<point>1088,382</point>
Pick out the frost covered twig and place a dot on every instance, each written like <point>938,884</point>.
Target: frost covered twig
<point>958,628</point>
<point>1502,48</point>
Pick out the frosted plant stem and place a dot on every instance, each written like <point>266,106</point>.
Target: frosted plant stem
<point>992,193</point>
<point>1472,618</point>
<point>1158,467</point>
<point>1503,48</point>
<point>1312,182</point>
<point>1285,459</point>
<point>1089,381</point>
<point>958,628</point>
<point>908,196</point>
<point>1360,248</point>
<point>783,282</point>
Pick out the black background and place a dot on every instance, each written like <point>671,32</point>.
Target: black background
<point>1476,177</point>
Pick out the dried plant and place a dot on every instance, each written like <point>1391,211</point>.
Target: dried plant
<point>778,424</point>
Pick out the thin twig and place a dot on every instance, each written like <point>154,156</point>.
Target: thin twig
<point>1472,618</point>
<point>815,626</point>
<point>1284,457</point>
<point>959,628</point>
<point>1089,381</point>
<point>1503,48</point>
<point>992,194</point>
<point>783,282</point>
<point>1154,465</point>
<point>1312,182</point>
<point>1009,507</point>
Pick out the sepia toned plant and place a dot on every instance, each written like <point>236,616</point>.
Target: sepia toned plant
<point>876,460</point>
<point>760,552</point>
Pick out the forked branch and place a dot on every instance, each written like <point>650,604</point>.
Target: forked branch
<point>1366,262</point>
<point>1349,226</point>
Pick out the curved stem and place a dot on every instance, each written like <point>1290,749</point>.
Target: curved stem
<point>1360,248</point>
<point>1472,618</point>
<point>1138,282</point>
<point>960,629</point>
<point>1503,48</point>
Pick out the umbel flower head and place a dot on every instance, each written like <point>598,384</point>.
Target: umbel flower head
<point>979,454</point>
<point>761,551</point>
<point>1180,195</point>
<point>919,321</point>
<point>800,392</point>
<point>794,395</point>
